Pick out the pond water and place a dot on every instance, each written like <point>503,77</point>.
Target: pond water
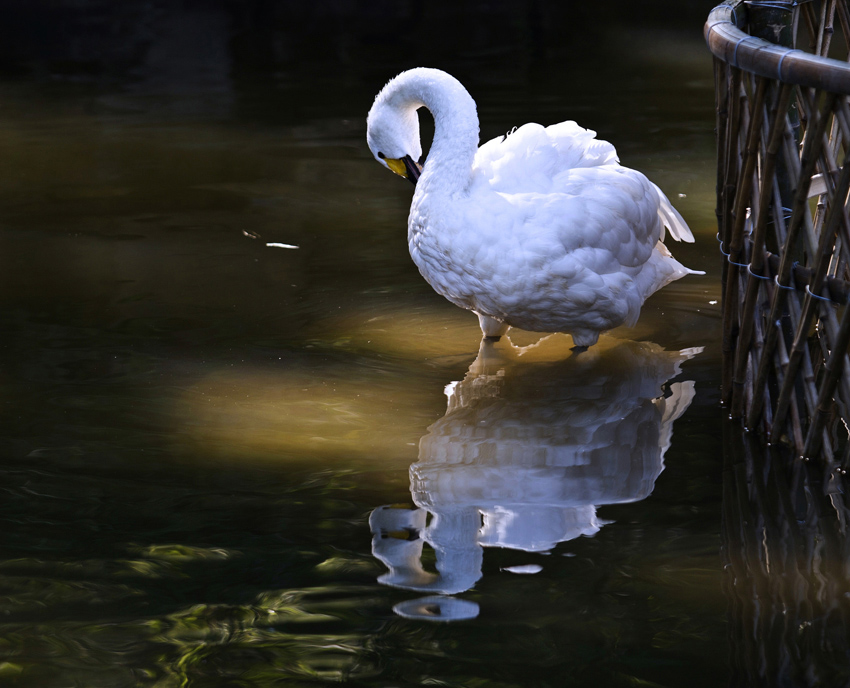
<point>228,463</point>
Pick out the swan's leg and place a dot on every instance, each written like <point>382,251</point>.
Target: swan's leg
<point>583,339</point>
<point>493,329</point>
<point>490,358</point>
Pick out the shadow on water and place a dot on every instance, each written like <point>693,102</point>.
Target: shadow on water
<point>786,555</point>
<point>533,441</point>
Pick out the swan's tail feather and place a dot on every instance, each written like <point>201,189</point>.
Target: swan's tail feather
<point>672,407</point>
<point>682,394</point>
<point>676,269</point>
<point>661,269</point>
<point>671,218</point>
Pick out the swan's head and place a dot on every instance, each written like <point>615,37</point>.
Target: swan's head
<point>392,131</point>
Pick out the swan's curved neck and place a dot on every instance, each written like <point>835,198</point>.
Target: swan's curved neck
<point>449,164</point>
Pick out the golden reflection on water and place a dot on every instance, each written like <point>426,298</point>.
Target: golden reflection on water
<point>334,411</point>
<point>278,414</point>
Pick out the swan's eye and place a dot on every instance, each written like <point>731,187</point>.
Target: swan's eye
<point>381,156</point>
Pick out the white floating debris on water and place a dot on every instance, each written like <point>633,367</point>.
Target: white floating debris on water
<point>528,568</point>
<point>712,303</point>
<point>277,245</point>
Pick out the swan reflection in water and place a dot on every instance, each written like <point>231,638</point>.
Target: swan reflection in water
<point>532,442</point>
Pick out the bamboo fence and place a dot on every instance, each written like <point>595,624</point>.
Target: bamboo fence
<point>783,174</point>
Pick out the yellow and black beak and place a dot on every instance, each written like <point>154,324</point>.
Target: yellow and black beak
<point>405,167</point>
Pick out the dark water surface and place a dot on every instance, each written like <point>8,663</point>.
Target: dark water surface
<point>200,430</point>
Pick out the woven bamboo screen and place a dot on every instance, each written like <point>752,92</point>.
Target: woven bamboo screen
<point>783,173</point>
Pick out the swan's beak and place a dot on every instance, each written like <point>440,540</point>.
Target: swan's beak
<point>413,169</point>
<point>405,167</point>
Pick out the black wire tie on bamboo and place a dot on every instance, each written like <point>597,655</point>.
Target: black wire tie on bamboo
<point>781,60</point>
<point>734,61</point>
<point>782,286</point>
<point>729,256</point>
<point>821,298</point>
<point>732,262</point>
<point>761,277</point>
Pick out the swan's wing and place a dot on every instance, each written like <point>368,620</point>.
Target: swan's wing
<point>672,220</point>
<point>537,159</point>
<point>529,159</point>
<point>591,238</point>
<point>608,207</point>
<point>579,147</point>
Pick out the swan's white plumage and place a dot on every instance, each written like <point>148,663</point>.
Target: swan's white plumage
<point>541,229</point>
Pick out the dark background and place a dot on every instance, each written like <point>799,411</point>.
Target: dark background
<point>101,41</point>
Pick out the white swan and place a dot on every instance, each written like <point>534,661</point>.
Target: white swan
<point>541,229</point>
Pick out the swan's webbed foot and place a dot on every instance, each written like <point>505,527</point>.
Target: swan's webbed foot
<point>578,350</point>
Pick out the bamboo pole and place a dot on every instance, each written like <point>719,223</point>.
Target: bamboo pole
<point>832,372</point>
<point>827,29</point>
<point>721,99</point>
<point>811,25</point>
<point>736,241</point>
<point>821,29</point>
<point>831,327</point>
<point>771,20</point>
<point>844,20</point>
<point>730,182</point>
